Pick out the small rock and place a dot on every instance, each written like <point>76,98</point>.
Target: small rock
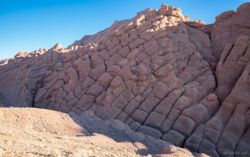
<point>168,149</point>
<point>57,46</point>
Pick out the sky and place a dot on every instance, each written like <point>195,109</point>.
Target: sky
<point>27,25</point>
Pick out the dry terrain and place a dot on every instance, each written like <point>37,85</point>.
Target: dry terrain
<point>27,132</point>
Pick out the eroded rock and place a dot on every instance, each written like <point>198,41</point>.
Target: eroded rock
<point>161,73</point>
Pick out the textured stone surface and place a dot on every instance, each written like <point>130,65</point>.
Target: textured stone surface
<point>229,26</point>
<point>161,73</point>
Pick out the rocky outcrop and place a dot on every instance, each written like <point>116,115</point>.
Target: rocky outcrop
<point>228,128</point>
<point>161,73</point>
<point>229,26</point>
<point>21,77</point>
<point>234,59</point>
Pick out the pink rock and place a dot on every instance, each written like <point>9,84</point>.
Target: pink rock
<point>161,73</point>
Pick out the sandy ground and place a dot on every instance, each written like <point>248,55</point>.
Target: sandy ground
<point>27,132</point>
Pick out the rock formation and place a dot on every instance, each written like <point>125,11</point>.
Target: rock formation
<point>161,73</point>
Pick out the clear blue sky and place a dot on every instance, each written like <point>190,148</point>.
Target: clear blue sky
<point>31,24</point>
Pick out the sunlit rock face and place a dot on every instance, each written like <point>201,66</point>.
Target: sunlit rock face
<point>161,73</point>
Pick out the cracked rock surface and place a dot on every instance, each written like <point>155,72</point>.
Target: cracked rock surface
<point>161,73</point>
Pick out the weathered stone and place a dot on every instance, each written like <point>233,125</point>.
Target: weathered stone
<point>86,99</point>
<point>22,54</point>
<point>70,85</point>
<point>134,126</point>
<point>131,106</point>
<point>212,97</point>
<point>119,103</point>
<point>139,115</point>
<point>150,131</point>
<point>95,90</point>
<point>230,67</point>
<point>197,113</point>
<point>114,60</point>
<point>149,104</point>
<point>135,43</point>
<point>165,71</point>
<point>123,117</point>
<point>168,149</point>
<point>184,78</point>
<point>183,102</point>
<point>166,104</point>
<point>104,79</point>
<point>160,90</point>
<point>97,72</point>
<point>117,86</point>
<point>124,51</point>
<point>108,99</point>
<point>174,137</point>
<point>154,120</point>
<point>174,114</point>
<point>228,27</point>
<point>166,125</point>
<point>87,83</point>
<point>208,148</point>
<point>151,47</point>
<point>57,46</point>
<point>184,125</point>
<point>142,70</point>
<point>193,142</point>
<point>83,68</point>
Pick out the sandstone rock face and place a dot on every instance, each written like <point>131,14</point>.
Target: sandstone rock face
<point>234,59</point>
<point>161,73</point>
<point>229,26</point>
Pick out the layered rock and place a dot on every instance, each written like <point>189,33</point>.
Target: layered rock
<point>161,73</point>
